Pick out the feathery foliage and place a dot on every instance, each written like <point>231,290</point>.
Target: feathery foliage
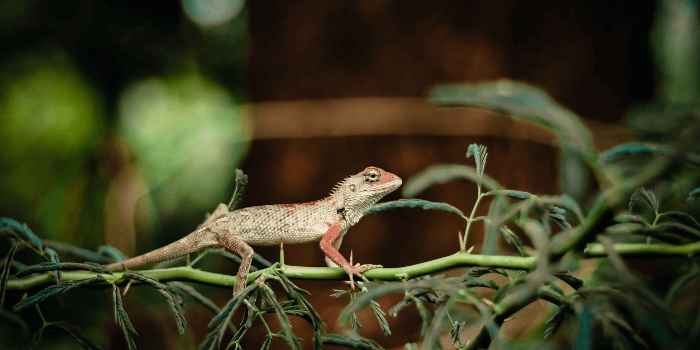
<point>239,190</point>
<point>611,308</point>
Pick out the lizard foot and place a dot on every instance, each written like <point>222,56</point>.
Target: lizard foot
<point>357,270</point>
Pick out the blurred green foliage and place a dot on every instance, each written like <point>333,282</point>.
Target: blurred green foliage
<point>104,100</point>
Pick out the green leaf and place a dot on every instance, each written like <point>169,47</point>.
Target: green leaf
<point>630,218</point>
<point>555,288</point>
<point>9,223</point>
<point>122,319</point>
<point>445,173</point>
<point>432,338</point>
<point>456,331</point>
<point>567,277</point>
<point>479,153</point>
<point>351,340</point>
<point>554,322</point>
<point>512,238</point>
<point>683,217</point>
<point>184,289</point>
<point>66,266</point>
<point>414,203</point>
<point>219,322</point>
<point>691,196</point>
<point>647,195</point>
<point>4,277</point>
<point>239,190</point>
<point>425,315</point>
<point>173,299</point>
<point>338,292</point>
<point>626,150</point>
<point>112,253</point>
<point>266,343</point>
<point>380,317</point>
<point>480,271</point>
<point>533,104</point>
<point>56,289</point>
<point>269,297</point>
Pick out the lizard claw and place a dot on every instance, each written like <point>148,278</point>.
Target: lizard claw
<point>357,270</point>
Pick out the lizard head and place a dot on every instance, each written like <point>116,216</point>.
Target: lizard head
<point>362,190</point>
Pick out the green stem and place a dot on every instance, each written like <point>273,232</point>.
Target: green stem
<point>185,273</point>
<point>597,249</point>
<point>200,256</point>
<point>43,320</point>
<point>463,246</point>
<point>656,219</point>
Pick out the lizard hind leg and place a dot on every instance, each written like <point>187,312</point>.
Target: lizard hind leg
<point>239,247</point>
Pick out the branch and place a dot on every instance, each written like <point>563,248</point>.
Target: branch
<point>185,273</point>
<point>597,249</point>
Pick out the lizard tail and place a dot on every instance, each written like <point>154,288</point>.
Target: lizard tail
<point>202,238</point>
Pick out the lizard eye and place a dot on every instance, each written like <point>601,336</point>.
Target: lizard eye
<point>352,188</point>
<point>373,176</point>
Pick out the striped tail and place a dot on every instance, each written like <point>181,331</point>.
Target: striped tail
<point>202,238</point>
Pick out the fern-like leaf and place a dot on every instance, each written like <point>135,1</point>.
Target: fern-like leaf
<point>647,195</point>
<point>456,331</point>
<point>213,339</point>
<point>626,150</point>
<point>56,289</point>
<point>351,340</point>
<point>691,196</point>
<point>122,319</point>
<point>237,197</point>
<point>683,217</point>
<point>289,337</point>
<point>414,203</point>
<point>22,228</point>
<point>445,173</point>
<point>4,277</point>
<point>554,322</point>
<point>68,266</point>
<point>380,317</point>
<point>173,299</point>
<point>479,153</point>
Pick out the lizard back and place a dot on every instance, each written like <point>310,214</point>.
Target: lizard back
<point>268,225</point>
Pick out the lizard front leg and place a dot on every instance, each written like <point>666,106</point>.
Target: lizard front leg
<point>237,246</point>
<point>336,245</point>
<point>327,245</point>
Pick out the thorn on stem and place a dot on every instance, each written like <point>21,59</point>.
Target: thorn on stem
<point>488,302</point>
<point>470,250</point>
<point>127,288</point>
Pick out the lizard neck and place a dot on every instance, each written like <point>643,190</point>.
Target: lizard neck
<point>350,213</point>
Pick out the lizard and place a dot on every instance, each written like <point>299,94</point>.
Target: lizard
<point>325,221</point>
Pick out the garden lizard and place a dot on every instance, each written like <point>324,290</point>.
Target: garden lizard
<point>326,220</point>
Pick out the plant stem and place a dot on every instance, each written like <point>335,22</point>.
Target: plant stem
<point>597,250</point>
<point>43,320</point>
<point>463,246</point>
<point>185,273</point>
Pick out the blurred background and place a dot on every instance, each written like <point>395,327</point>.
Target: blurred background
<point>122,122</point>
